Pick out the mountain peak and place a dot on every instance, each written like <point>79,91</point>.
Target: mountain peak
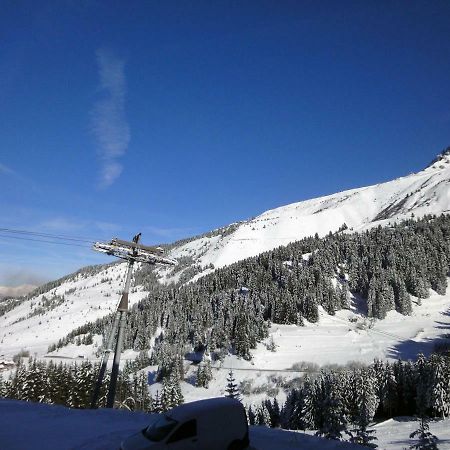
<point>441,160</point>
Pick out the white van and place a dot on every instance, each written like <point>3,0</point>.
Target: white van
<point>212,424</point>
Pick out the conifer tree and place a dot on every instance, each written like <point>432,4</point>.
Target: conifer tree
<point>242,336</point>
<point>274,412</point>
<point>290,413</point>
<point>334,420</point>
<point>204,374</point>
<point>367,403</point>
<point>82,383</point>
<point>140,393</point>
<point>388,391</point>
<point>440,386</point>
<point>231,389</point>
<point>157,406</point>
<point>2,387</point>
<point>263,416</point>
<point>308,405</point>
<point>426,440</point>
<point>423,383</point>
<point>251,416</point>
<point>171,395</point>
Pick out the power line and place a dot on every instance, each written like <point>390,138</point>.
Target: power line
<point>47,235</point>
<point>43,241</point>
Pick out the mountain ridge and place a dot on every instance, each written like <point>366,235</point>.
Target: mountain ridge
<point>416,194</point>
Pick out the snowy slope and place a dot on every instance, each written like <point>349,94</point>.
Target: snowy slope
<point>332,340</point>
<point>49,427</point>
<point>85,300</point>
<point>425,192</point>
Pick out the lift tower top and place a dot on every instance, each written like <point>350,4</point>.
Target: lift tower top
<point>133,251</point>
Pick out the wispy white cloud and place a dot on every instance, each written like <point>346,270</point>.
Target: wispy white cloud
<point>109,123</point>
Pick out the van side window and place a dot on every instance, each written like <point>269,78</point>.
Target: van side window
<point>185,431</point>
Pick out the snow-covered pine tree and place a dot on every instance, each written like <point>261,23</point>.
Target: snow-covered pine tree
<point>423,385</point>
<point>367,403</point>
<point>310,308</point>
<point>289,415</point>
<point>274,412</point>
<point>251,416</point>
<point>438,269</point>
<point>30,375</point>
<point>334,420</point>
<point>416,283</point>
<point>171,395</point>
<point>307,407</point>
<point>426,439</point>
<point>343,295</point>
<point>440,385</point>
<point>81,388</point>
<point>103,397</point>
<point>37,382</point>
<point>242,334</point>
<point>141,395</point>
<point>404,374</point>
<point>18,388</point>
<point>388,391</point>
<point>271,346</point>
<point>157,405</point>
<point>380,298</point>
<point>263,416</point>
<point>204,371</point>
<point>2,387</point>
<point>231,389</point>
<point>402,299</point>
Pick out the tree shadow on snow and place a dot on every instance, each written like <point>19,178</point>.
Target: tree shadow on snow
<point>409,349</point>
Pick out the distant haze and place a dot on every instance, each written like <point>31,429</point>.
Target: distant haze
<point>12,276</point>
<point>17,291</point>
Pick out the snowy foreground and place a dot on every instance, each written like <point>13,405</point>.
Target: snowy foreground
<point>26,426</point>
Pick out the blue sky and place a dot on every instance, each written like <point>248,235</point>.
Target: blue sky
<point>173,118</point>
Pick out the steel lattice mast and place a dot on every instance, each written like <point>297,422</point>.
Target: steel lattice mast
<point>131,252</point>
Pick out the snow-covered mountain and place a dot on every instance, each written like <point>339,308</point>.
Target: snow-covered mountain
<point>54,310</point>
<point>418,194</point>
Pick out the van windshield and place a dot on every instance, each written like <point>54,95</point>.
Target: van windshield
<point>159,429</point>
